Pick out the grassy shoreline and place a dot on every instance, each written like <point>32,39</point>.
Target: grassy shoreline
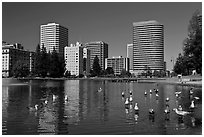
<point>187,81</point>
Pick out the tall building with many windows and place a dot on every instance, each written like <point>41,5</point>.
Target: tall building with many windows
<point>74,59</point>
<point>130,55</point>
<point>53,36</point>
<point>11,54</point>
<point>148,46</point>
<point>118,64</point>
<point>99,49</point>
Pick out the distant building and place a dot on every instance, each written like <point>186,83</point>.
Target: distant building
<point>118,64</point>
<point>99,49</point>
<point>148,46</point>
<point>74,59</point>
<point>53,36</point>
<point>12,53</point>
<point>130,55</point>
<point>86,61</point>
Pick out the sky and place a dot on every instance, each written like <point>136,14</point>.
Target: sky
<point>110,22</point>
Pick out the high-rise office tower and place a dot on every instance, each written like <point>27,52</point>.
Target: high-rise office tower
<point>53,36</point>
<point>130,54</point>
<point>148,46</point>
<point>99,49</point>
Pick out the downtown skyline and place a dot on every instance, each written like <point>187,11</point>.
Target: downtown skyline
<point>108,22</point>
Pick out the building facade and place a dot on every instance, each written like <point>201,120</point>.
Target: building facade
<point>74,59</point>
<point>12,53</point>
<point>130,55</point>
<point>99,49</point>
<point>148,46</point>
<point>53,36</point>
<point>86,61</point>
<point>118,64</point>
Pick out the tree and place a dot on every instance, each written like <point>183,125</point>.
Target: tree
<point>21,69</point>
<point>109,70</point>
<point>54,68</point>
<point>37,61</point>
<point>193,44</point>
<point>124,73</point>
<point>96,67</point>
<point>43,63</point>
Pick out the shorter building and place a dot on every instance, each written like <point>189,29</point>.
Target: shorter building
<point>86,61</point>
<point>11,53</point>
<point>118,64</point>
<point>74,59</point>
<point>99,49</point>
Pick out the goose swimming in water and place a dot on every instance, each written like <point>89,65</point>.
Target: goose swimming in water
<point>130,99</point>
<point>192,106</point>
<point>126,103</point>
<point>191,91</point>
<point>46,102</point>
<point>35,108</point>
<point>130,92</point>
<point>181,113</point>
<point>180,108</point>
<point>167,99</point>
<point>123,94</point>
<point>145,93</point>
<point>150,91</point>
<point>151,111</point>
<point>100,89</point>
<point>196,98</point>
<point>66,98</point>
<point>136,108</point>
<point>54,97</point>
<point>167,110</point>
<point>177,93</point>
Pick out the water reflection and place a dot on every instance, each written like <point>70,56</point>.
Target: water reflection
<point>76,107</point>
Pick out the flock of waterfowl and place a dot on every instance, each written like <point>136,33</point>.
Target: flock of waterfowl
<point>128,101</point>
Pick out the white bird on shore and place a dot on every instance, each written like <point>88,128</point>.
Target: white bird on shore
<point>181,113</point>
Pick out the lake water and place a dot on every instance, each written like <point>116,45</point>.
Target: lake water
<point>88,111</point>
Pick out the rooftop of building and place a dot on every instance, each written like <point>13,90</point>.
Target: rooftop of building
<point>150,22</point>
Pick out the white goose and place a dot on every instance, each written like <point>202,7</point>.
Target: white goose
<point>100,89</point>
<point>145,93</point>
<point>181,113</point>
<point>66,98</point>
<point>150,91</point>
<point>196,98</point>
<point>46,102</point>
<point>192,106</point>
<point>177,93</point>
<point>167,99</point>
<point>136,108</point>
<point>130,99</point>
<point>35,108</point>
<point>127,101</point>
<point>123,94</point>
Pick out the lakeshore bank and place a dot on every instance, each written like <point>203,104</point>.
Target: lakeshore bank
<point>195,81</point>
